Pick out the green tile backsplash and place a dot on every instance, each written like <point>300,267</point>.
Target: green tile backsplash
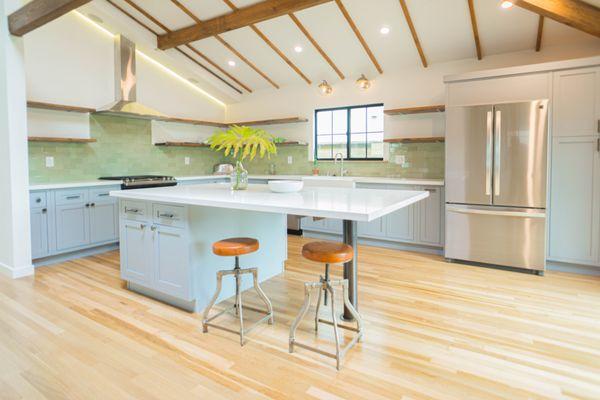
<point>124,147</point>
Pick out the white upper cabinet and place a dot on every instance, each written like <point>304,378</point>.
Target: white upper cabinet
<point>576,102</point>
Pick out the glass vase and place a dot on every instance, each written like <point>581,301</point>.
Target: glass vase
<point>239,177</point>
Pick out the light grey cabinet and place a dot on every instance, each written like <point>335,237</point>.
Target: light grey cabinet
<point>575,200</point>
<point>103,222</point>
<point>171,264</point>
<point>136,252</point>
<point>72,226</point>
<point>421,223</point>
<point>39,232</point>
<point>155,250</point>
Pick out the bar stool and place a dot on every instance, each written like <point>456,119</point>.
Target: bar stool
<point>328,253</point>
<point>235,247</point>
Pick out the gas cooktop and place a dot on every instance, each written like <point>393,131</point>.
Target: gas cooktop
<point>142,181</point>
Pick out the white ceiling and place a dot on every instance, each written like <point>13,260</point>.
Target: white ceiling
<point>443,26</point>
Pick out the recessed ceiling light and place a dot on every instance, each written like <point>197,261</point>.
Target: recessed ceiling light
<point>384,30</point>
<point>298,49</point>
<point>506,4</point>
<point>231,63</point>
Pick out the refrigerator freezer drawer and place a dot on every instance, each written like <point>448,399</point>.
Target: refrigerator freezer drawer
<point>508,237</point>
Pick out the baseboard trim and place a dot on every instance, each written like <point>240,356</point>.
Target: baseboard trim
<point>16,273</point>
<point>59,258</point>
<point>572,268</point>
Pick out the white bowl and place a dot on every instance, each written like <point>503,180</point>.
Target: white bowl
<point>285,186</point>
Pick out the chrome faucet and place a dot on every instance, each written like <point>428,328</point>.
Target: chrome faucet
<point>335,161</point>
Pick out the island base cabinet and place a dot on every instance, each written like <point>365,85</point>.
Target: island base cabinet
<point>431,218</point>
<point>136,252</point>
<point>172,272</point>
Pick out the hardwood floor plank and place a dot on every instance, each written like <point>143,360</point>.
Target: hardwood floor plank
<point>433,331</point>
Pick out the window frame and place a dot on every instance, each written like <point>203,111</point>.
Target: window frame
<point>348,133</point>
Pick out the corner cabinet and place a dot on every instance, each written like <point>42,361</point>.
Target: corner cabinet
<point>38,216</point>
<point>420,224</point>
<point>574,208</point>
<point>155,250</point>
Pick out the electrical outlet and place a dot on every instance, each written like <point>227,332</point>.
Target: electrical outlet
<point>49,162</point>
<point>186,160</point>
<point>400,159</point>
<point>290,159</point>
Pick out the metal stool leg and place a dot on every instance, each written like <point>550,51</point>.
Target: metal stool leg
<point>353,311</point>
<point>238,302</point>
<point>321,290</point>
<point>263,296</point>
<point>212,302</point>
<point>335,327</point>
<point>326,280</point>
<point>303,311</point>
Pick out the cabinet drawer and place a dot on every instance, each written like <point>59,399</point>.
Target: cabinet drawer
<point>169,215</point>
<point>71,196</point>
<point>135,210</point>
<point>102,194</point>
<point>37,199</point>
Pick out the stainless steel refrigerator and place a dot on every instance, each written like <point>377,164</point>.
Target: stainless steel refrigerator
<point>496,170</point>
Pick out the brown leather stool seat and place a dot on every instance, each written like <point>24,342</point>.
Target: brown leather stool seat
<point>328,252</point>
<point>235,246</point>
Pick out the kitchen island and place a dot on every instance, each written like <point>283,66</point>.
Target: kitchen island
<point>167,233</point>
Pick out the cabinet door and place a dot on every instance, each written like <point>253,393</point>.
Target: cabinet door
<point>39,232</point>
<point>576,102</point>
<point>374,228</point>
<point>575,200</point>
<point>314,225</point>
<point>136,252</point>
<point>72,226</point>
<point>172,274</point>
<point>103,222</point>
<point>400,225</point>
<point>430,217</point>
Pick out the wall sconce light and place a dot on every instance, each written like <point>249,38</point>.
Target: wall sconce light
<point>325,88</point>
<point>363,82</point>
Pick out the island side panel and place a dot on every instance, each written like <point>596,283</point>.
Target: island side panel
<point>211,224</point>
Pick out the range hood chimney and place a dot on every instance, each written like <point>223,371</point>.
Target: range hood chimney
<point>125,104</point>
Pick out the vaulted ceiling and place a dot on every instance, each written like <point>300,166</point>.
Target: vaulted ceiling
<point>341,39</point>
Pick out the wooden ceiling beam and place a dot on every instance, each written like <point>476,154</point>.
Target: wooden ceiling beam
<point>413,32</point>
<point>475,29</point>
<point>538,42</point>
<point>238,18</point>
<point>166,29</point>
<point>316,45</point>
<point>359,36</point>
<point>37,13</point>
<point>224,43</point>
<point>271,44</point>
<point>575,13</point>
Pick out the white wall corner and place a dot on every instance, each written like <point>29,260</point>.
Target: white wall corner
<point>16,273</point>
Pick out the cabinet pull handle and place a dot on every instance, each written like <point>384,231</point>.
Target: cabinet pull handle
<point>38,200</point>
<point>93,204</point>
<point>598,145</point>
<point>153,228</point>
<point>132,210</point>
<point>142,226</point>
<point>87,205</point>
<point>430,190</point>
<point>102,194</point>
<point>44,210</point>
<point>171,216</point>
<point>73,197</point>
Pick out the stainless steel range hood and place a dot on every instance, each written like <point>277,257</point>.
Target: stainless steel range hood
<point>125,104</point>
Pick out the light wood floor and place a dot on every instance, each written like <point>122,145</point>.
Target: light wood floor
<point>433,331</point>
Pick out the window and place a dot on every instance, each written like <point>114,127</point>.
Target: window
<point>355,132</point>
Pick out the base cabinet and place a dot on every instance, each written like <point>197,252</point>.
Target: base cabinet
<point>155,249</point>
<point>39,232</point>
<point>72,226</point>
<point>421,223</point>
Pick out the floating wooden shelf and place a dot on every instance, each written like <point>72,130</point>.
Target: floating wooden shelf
<point>191,121</point>
<point>59,107</point>
<point>289,120</point>
<point>182,144</point>
<point>59,140</point>
<point>416,110</point>
<point>292,143</point>
<point>416,140</point>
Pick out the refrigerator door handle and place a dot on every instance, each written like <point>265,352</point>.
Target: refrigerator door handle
<point>488,155</point>
<point>518,214</point>
<point>497,148</point>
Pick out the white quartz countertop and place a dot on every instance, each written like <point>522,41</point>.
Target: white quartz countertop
<point>338,203</point>
<point>357,179</point>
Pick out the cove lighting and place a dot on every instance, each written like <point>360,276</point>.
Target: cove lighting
<point>506,4</point>
<point>165,69</point>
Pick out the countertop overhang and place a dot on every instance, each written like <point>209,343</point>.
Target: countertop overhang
<point>339,203</point>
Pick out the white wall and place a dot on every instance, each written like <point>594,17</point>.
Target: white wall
<point>402,88</point>
<point>15,248</point>
<point>71,62</point>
